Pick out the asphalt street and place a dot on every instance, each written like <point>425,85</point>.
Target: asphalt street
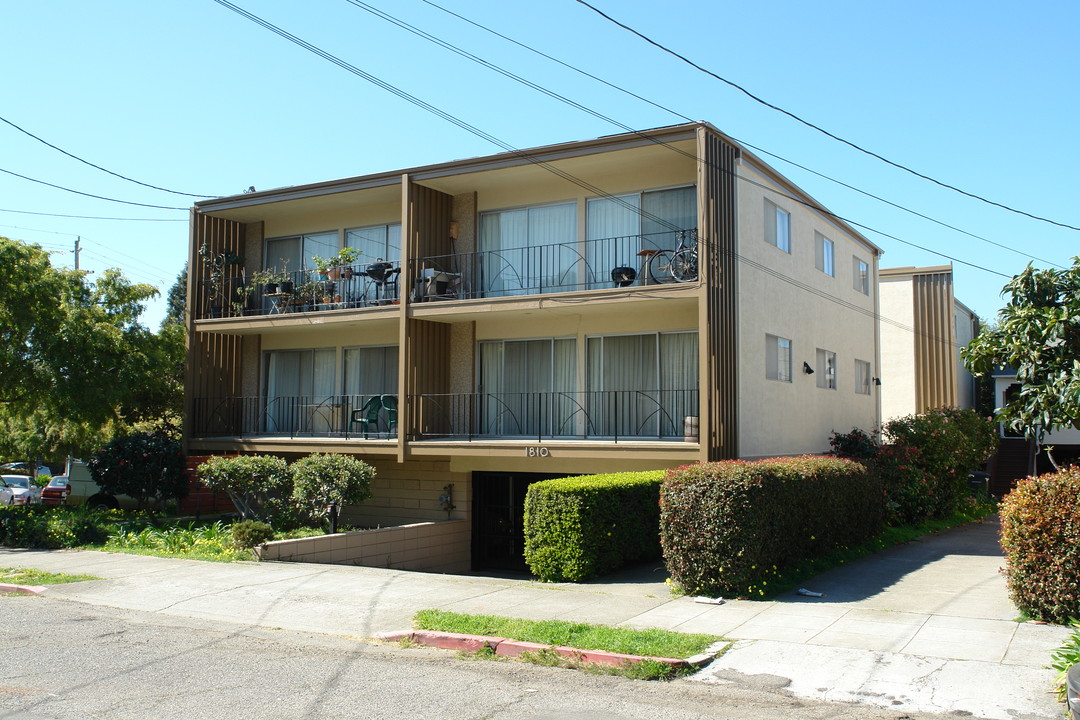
<point>64,660</point>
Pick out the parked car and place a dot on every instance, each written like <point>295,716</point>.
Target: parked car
<point>57,491</point>
<point>25,468</point>
<point>18,490</point>
<point>83,490</point>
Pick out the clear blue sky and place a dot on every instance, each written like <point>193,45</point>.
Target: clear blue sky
<point>189,96</point>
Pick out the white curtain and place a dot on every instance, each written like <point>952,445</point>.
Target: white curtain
<point>529,250</point>
<point>300,391</point>
<point>612,227</point>
<point>664,212</point>
<point>370,372</point>
<point>380,242</point>
<point>528,387</point>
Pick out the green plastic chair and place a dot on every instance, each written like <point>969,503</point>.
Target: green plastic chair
<point>368,414</point>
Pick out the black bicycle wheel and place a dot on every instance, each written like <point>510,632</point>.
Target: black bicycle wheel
<point>683,266</point>
<point>660,267</point>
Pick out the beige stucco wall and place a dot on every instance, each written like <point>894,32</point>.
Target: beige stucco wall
<point>424,547</point>
<point>786,295</point>
<point>897,347</point>
<point>963,319</point>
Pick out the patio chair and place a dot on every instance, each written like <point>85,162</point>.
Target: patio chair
<point>368,414</point>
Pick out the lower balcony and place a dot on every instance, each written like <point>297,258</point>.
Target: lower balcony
<point>610,416</point>
<point>599,416</point>
<point>355,417</point>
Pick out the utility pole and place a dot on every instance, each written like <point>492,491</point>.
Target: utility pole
<point>78,239</point>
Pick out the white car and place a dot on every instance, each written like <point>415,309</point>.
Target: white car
<point>18,490</point>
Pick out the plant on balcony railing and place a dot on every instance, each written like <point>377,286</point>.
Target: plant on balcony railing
<point>335,266</point>
<point>216,264</point>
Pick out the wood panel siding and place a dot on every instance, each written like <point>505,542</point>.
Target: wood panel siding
<point>427,372</point>
<point>718,263</point>
<point>935,341</point>
<point>213,360</point>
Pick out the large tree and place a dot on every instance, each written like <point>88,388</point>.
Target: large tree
<point>1037,334</point>
<point>76,365</point>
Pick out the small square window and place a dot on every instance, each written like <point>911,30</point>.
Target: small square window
<point>777,358</point>
<point>824,255</point>
<point>860,278</point>
<point>777,227</point>
<point>826,369</point>
<point>862,377</point>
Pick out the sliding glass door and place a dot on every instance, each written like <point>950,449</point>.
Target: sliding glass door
<point>299,391</point>
<point>527,388</point>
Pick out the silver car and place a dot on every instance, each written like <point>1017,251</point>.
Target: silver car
<point>18,490</point>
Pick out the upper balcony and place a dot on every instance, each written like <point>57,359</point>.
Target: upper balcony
<point>631,261</point>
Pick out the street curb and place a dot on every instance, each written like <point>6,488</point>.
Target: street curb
<point>24,589</point>
<point>512,648</point>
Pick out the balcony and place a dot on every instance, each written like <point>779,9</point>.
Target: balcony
<point>610,416</point>
<point>629,261</point>
<point>605,416</point>
<point>357,286</point>
<point>349,417</point>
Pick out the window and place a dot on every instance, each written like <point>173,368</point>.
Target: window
<point>862,377</point>
<point>823,255</point>
<point>528,250</point>
<point>641,385</point>
<point>527,387</point>
<point>369,372</point>
<point>618,228</point>
<point>293,254</point>
<point>826,369</point>
<point>860,275</point>
<point>777,227</point>
<point>299,390</point>
<point>777,358</point>
<point>379,242</point>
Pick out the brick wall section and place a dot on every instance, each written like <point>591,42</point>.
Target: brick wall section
<point>200,499</point>
<point>428,547</point>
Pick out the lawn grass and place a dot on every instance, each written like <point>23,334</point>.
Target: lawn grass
<point>583,636</point>
<point>29,576</point>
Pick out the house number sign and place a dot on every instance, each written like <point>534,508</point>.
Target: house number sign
<point>537,452</point>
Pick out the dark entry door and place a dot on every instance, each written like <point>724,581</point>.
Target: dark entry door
<point>498,541</point>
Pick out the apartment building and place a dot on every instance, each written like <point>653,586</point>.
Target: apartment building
<point>923,327</point>
<point>637,301</point>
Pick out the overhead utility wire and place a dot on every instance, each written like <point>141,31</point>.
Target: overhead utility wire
<point>93,217</point>
<point>821,130</point>
<point>562,98</point>
<point>678,114</point>
<point>98,167</point>
<point>98,197</point>
<point>569,177</point>
<point>556,171</point>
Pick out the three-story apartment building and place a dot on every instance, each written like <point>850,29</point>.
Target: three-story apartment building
<point>638,301</point>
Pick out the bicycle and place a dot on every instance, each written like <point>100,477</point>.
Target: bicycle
<point>678,265</point>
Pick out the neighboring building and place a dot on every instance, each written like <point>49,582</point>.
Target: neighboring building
<point>502,325</point>
<point>923,328</point>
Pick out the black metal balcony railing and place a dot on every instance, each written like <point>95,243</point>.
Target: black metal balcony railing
<point>345,416</point>
<point>611,415</point>
<point>356,286</point>
<point>560,267</point>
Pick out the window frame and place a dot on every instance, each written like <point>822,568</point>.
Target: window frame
<point>774,344</point>
<point>860,271</point>
<point>826,362</point>
<point>863,379</point>
<point>773,212</point>
<point>824,254</point>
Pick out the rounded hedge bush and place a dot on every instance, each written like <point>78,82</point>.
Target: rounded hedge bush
<point>1040,534</point>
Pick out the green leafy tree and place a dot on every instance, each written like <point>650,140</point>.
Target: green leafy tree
<point>176,301</point>
<point>260,486</point>
<point>146,466</point>
<point>76,366</point>
<point>322,479</point>
<point>1038,335</point>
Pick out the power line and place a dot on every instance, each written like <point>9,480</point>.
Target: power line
<point>94,217</point>
<point>520,153</point>
<point>98,167</point>
<point>449,46</point>
<point>129,257</point>
<point>97,197</point>
<point>821,130</point>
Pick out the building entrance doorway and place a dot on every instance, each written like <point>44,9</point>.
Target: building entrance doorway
<point>498,540</point>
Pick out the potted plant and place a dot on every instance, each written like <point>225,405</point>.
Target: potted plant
<point>216,264</point>
<point>333,266</point>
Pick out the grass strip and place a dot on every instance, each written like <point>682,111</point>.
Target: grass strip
<point>29,576</point>
<point>583,636</point>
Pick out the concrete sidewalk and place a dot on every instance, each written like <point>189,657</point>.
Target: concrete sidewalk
<point>925,626</point>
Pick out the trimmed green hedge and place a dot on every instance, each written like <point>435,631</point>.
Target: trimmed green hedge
<point>728,527</point>
<point>1040,534</point>
<point>580,527</point>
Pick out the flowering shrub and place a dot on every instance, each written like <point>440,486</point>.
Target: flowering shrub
<point>728,527</point>
<point>580,527</point>
<point>1040,533</point>
<point>146,466</point>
